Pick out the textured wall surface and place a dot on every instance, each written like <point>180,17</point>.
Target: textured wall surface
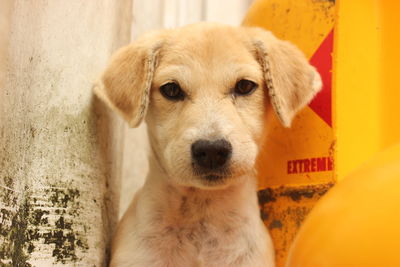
<point>58,145</point>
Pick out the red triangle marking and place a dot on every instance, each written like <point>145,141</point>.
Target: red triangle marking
<point>322,61</point>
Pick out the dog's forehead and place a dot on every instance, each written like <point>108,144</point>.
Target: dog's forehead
<point>213,52</point>
<point>207,43</point>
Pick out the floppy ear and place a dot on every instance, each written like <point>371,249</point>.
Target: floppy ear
<point>126,82</point>
<point>292,82</point>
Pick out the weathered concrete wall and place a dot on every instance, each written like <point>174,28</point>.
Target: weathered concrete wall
<point>58,146</point>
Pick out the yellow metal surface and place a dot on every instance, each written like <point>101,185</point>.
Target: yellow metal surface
<point>308,138</point>
<point>366,73</point>
<point>305,22</point>
<point>357,222</point>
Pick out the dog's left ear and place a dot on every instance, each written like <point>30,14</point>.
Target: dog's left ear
<point>292,82</point>
<point>126,82</point>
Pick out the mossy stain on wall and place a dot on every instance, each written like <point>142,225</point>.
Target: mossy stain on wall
<point>43,218</point>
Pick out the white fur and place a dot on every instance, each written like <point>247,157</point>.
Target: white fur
<point>214,228</point>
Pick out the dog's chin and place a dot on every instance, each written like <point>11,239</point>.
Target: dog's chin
<point>208,179</point>
<point>213,181</point>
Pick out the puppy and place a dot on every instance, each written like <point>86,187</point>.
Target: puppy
<point>204,91</point>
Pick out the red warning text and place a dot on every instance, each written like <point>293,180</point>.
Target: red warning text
<point>309,165</point>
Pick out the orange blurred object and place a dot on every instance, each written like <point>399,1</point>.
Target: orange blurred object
<point>357,223</point>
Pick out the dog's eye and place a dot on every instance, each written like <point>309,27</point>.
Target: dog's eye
<point>245,87</point>
<point>172,91</point>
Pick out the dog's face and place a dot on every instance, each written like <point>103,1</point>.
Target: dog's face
<point>204,90</point>
<point>206,107</point>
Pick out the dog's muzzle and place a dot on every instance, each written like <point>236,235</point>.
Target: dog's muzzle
<point>211,156</point>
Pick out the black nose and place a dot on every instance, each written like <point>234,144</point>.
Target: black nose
<point>211,154</point>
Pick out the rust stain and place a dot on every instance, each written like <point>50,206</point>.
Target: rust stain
<point>283,209</point>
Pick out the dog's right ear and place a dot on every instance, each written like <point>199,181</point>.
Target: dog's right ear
<point>292,82</point>
<point>126,82</point>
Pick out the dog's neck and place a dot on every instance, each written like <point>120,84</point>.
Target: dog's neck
<point>189,204</point>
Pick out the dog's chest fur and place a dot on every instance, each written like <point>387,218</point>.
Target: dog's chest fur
<point>191,228</point>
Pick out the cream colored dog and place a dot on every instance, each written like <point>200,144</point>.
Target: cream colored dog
<point>204,91</point>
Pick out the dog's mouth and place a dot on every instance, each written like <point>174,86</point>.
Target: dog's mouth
<point>221,171</point>
<point>213,177</point>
